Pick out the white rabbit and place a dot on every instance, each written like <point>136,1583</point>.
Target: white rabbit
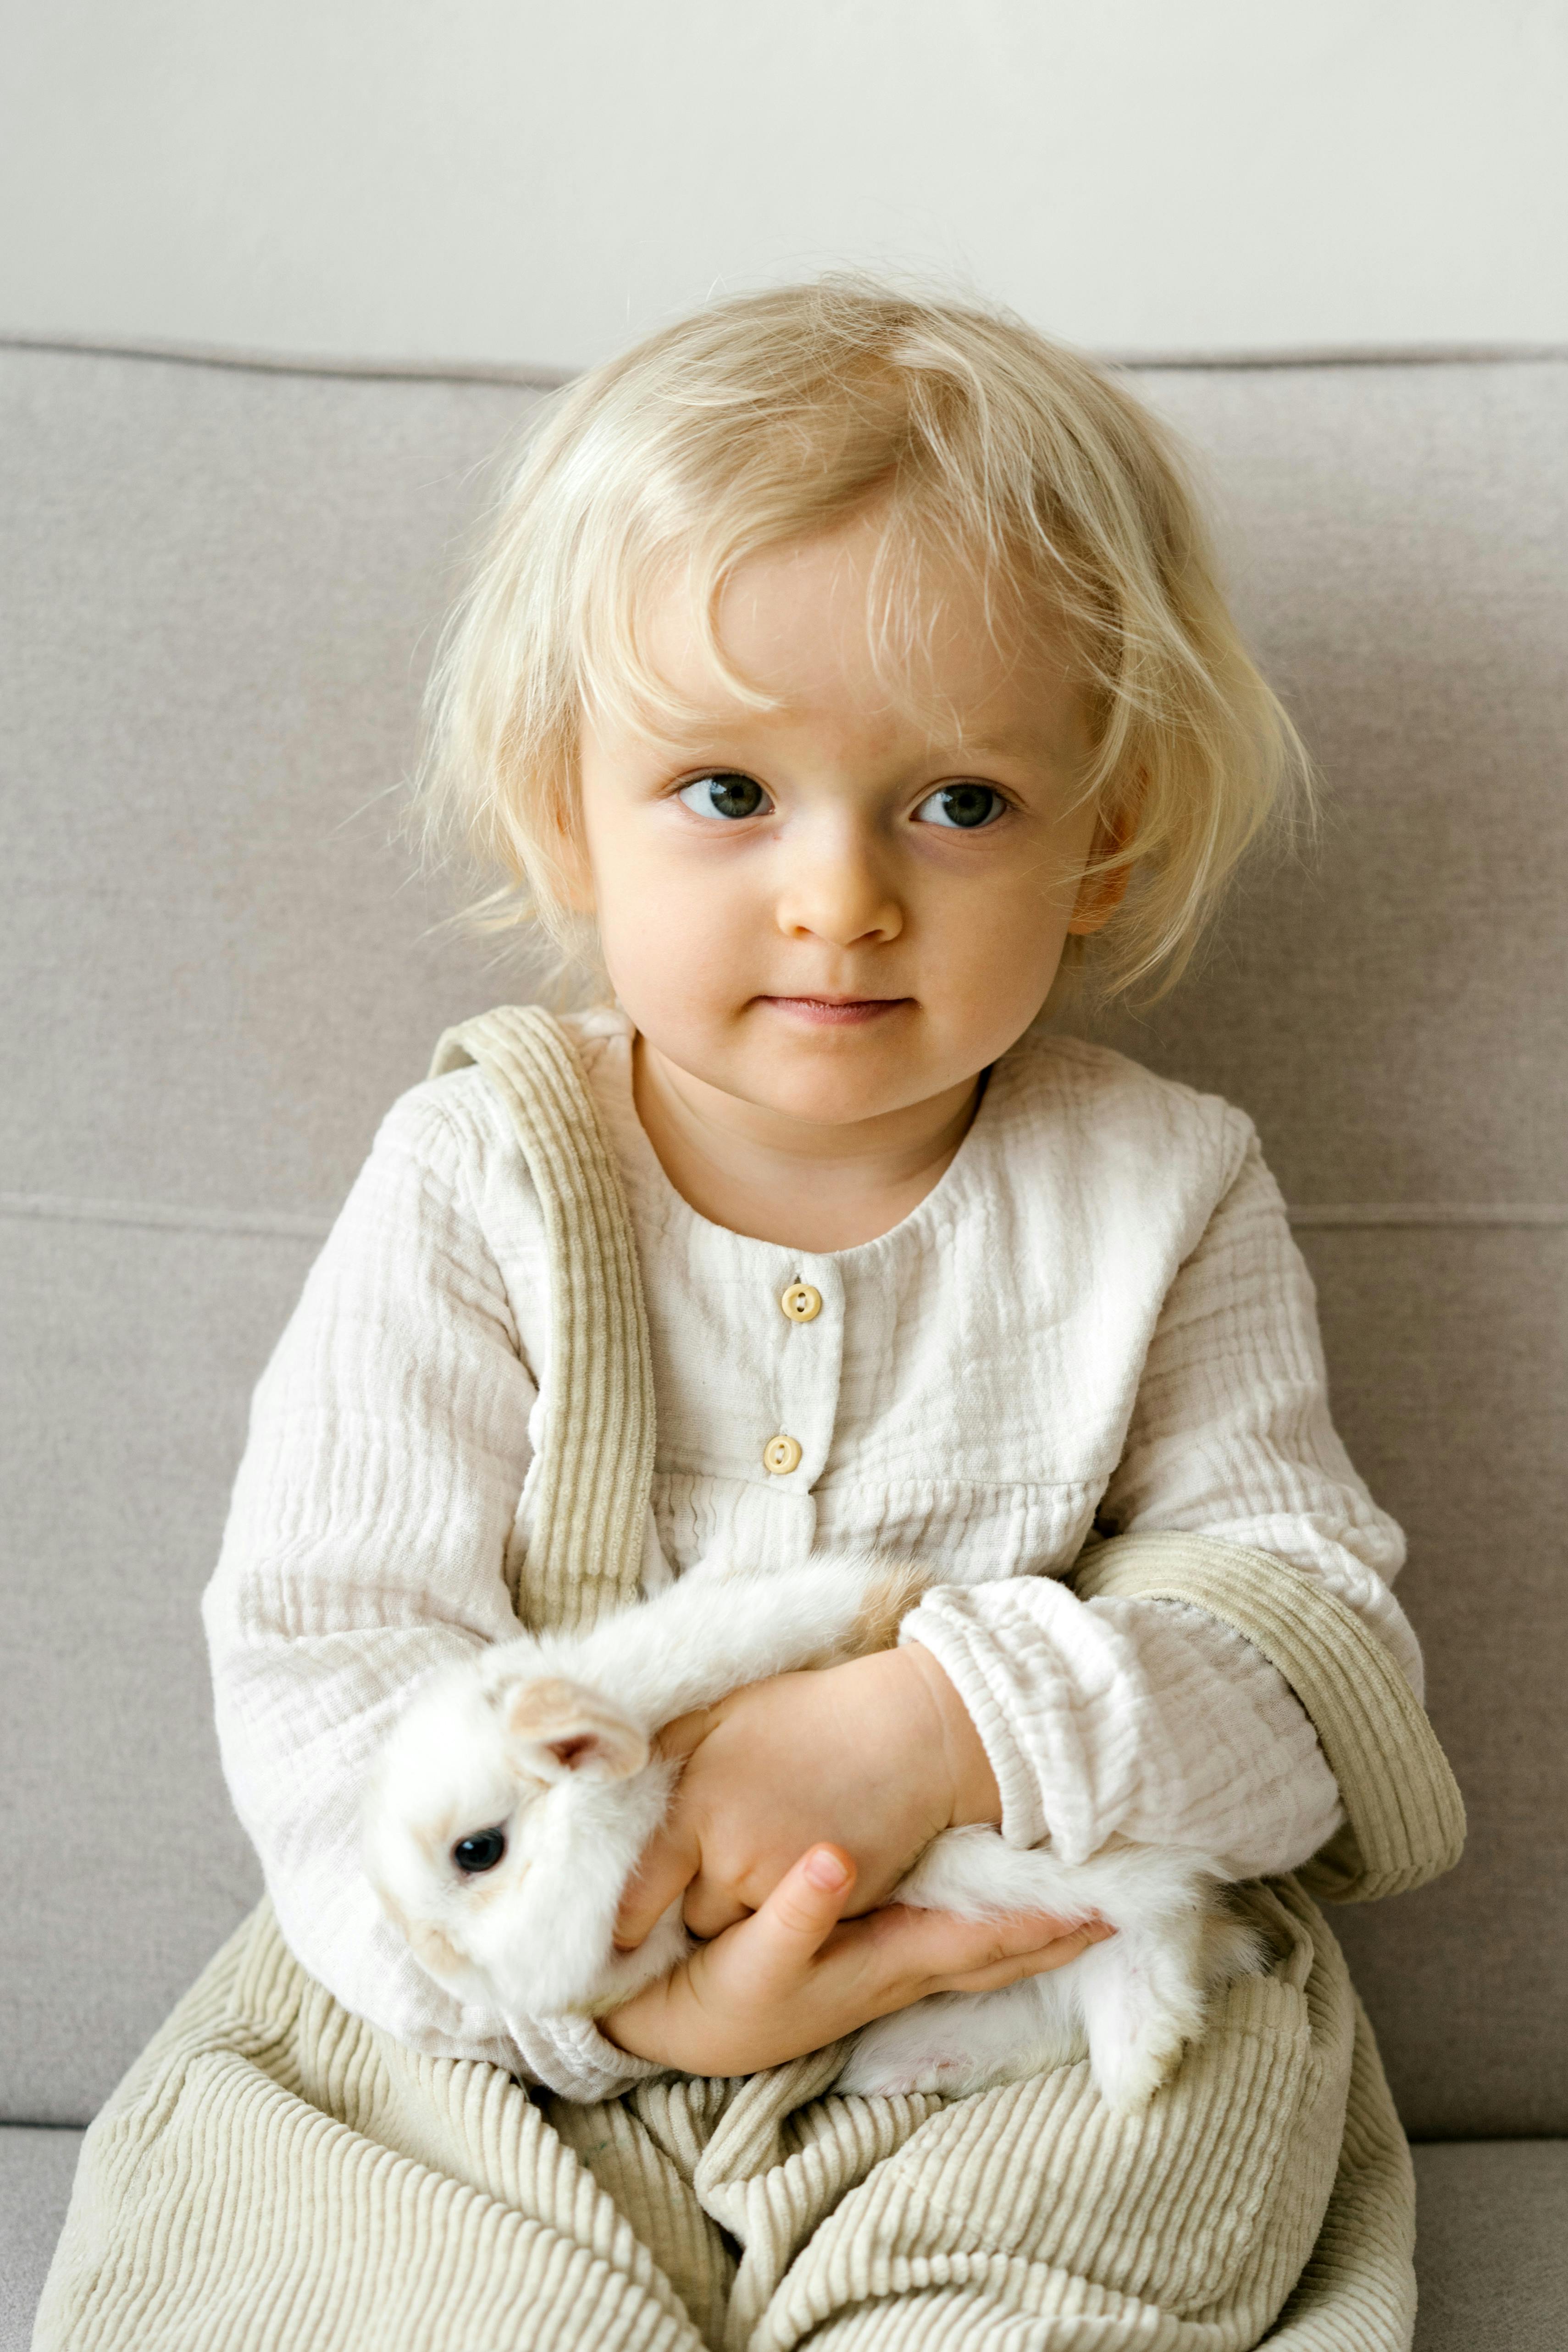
<point>516,1791</point>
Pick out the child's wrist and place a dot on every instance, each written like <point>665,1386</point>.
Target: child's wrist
<point>973,1794</point>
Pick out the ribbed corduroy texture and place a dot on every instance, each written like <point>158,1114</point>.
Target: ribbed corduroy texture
<point>1405,1818</point>
<point>275,2173</point>
<point>594,1467</point>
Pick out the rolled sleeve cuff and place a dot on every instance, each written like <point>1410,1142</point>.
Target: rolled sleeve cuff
<point>986,1674</point>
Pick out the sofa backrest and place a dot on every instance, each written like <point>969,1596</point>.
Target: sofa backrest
<point>219,600</point>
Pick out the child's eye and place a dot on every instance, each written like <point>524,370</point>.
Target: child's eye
<point>725,793</point>
<point>481,1851</point>
<point>967,806</point>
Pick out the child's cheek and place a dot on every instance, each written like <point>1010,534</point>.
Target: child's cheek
<point>683,950</point>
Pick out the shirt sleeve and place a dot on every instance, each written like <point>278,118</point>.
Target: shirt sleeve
<point>367,1542</point>
<point>1148,1719</point>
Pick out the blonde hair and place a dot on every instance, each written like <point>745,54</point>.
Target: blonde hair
<point>768,418</point>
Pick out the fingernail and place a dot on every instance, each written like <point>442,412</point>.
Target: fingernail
<point>824,1869</point>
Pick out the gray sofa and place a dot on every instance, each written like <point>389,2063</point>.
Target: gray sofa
<point>219,590</point>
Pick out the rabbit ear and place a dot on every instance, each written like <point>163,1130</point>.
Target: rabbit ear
<point>555,1728</point>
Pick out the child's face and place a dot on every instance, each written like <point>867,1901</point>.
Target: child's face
<point>840,907</point>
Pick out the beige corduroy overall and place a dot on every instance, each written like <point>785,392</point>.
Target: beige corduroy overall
<point>277,2175</point>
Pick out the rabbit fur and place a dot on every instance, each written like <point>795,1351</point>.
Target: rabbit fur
<point>539,1752</point>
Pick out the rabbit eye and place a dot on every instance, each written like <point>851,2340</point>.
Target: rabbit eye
<point>481,1851</point>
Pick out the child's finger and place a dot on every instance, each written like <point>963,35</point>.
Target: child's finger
<point>785,1936</point>
<point>945,1953</point>
<point>1009,1967</point>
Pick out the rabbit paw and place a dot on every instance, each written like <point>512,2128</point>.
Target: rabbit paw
<point>1128,2072</point>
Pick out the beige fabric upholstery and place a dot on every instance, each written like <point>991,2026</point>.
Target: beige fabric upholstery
<point>36,2168</point>
<point>218,603</point>
<point>1491,2246</point>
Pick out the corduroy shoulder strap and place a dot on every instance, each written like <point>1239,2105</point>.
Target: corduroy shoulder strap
<point>1404,1817</point>
<point>589,1508</point>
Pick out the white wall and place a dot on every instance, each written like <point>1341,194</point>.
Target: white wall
<point>531,180</point>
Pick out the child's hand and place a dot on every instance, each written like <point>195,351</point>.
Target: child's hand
<point>792,1979</point>
<point>875,1757</point>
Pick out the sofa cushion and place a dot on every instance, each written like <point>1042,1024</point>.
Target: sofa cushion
<point>1394,1016</point>
<point>224,587</point>
<point>1491,2246</point>
<point>35,2169</point>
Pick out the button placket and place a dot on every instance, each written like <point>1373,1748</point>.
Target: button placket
<point>812,1304</point>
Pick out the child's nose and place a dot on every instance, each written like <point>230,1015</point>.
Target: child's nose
<point>837,889</point>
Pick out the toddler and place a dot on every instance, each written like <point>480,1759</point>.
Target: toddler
<point>844,670</point>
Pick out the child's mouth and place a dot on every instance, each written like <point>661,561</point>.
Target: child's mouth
<point>836,1011</point>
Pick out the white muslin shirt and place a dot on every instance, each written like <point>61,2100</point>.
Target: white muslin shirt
<point>1097,1317</point>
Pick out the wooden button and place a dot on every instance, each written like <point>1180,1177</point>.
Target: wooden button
<point>801,1302</point>
<point>781,1456</point>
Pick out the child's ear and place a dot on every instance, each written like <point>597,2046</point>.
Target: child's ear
<point>556,1728</point>
<point>1099,895</point>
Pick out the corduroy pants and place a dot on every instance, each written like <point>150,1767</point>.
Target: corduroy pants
<point>277,2175</point>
